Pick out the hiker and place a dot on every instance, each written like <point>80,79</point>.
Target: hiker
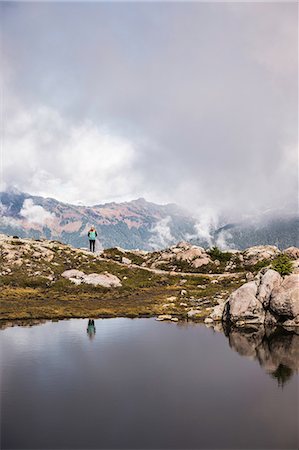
<point>91,329</point>
<point>92,234</point>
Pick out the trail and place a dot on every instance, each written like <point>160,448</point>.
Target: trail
<point>185,274</point>
<point>173,273</point>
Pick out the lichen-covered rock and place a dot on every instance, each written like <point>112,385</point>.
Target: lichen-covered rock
<point>285,299</point>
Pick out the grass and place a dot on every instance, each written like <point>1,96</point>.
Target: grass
<point>28,293</point>
<point>139,297</point>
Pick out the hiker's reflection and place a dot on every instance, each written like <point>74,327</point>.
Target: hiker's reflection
<point>91,329</point>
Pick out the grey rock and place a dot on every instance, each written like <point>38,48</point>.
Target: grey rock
<point>285,299</point>
<point>269,281</point>
<point>244,306</point>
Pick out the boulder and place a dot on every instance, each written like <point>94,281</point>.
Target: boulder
<point>269,300</point>
<point>125,260</point>
<point>73,273</point>
<point>198,262</point>
<point>259,253</point>
<point>104,279</point>
<point>191,254</point>
<point>292,252</point>
<point>208,320</point>
<point>267,282</point>
<point>243,305</point>
<point>292,322</point>
<point>217,312</point>
<point>285,298</point>
<point>162,317</point>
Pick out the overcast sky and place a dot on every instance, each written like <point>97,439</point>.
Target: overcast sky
<point>193,103</point>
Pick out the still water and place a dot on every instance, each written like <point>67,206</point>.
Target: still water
<point>142,384</point>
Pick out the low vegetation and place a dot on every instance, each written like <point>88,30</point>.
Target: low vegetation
<point>32,286</point>
<point>282,264</point>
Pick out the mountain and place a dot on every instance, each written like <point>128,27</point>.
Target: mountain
<point>131,225</point>
<point>137,224</point>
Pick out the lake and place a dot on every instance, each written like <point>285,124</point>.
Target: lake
<point>143,384</point>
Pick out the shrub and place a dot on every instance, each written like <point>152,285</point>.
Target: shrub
<point>282,264</point>
<point>216,253</point>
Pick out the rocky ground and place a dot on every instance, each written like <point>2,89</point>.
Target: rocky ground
<point>42,279</point>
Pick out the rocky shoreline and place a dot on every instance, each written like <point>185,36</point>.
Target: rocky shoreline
<point>268,300</point>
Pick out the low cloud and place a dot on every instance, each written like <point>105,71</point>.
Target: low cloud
<point>162,236</point>
<point>35,214</point>
<point>224,240</point>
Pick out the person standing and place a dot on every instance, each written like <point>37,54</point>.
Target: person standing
<point>92,234</point>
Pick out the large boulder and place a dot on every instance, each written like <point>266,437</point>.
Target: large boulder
<point>243,305</point>
<point>258,253</point>
<point>267,282</point>
<point>285,298</point>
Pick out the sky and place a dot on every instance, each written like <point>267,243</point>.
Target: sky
<point>193,103</point>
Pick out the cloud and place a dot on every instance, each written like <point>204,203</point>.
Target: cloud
<point>224,240</point>
<point>35,214</point>
<point>64,160</point>
<point>162,236</point>
<point>188,102</point>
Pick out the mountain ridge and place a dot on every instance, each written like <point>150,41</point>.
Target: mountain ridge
<point>137,224</point>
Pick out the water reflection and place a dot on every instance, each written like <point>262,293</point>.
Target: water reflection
<point>91,329</point>
<point>276,349</point>
<point>141,375</point>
